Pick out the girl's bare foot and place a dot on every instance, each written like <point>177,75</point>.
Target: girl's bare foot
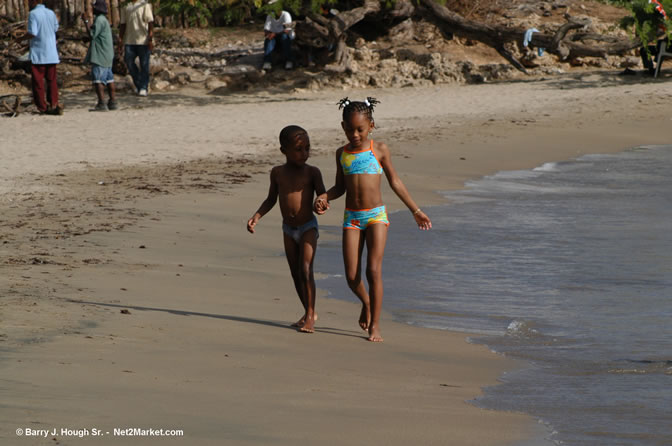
<point>365,317</point>
<point>308,325</point>
<point>374,334</point>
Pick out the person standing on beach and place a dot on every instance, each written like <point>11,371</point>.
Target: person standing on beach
<point>136,37</point>
<point>42,27</point>
<point>295,183</point>
<point>359,167</point>
<point>101,55</point>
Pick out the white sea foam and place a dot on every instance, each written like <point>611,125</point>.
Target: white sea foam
<point>520,329</point>
<point>514,175</point>
<point>547,167</point>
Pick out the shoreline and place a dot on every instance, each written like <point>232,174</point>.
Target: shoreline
<point>90,277</point>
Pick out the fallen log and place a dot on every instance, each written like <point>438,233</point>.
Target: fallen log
<point>568,41</point>
<point>320,32</point>
<point>557,43</point>
<point>13,110</point>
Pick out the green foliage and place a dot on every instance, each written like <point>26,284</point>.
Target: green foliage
<point>234,11</point>
<point>192,12</point>
<point>621,3</point>
<point>647,22</point>
<point>293,6</point>
<point>208,12</point>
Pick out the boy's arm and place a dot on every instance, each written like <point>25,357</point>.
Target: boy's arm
<point>150,36</point>
<point>120,43</point>
<point>31,30</point>
<point>148,17</point>
<point>87,22</point>
<point>399,188</point>
<point>266,205</point>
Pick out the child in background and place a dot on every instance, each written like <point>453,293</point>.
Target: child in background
<point>101,55</point>
<point>359,166</point>
<point>296,183</point>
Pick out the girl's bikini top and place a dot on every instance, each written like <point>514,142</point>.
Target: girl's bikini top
<point>362,161</point>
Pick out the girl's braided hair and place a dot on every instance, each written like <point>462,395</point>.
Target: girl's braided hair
<point>366,107</point>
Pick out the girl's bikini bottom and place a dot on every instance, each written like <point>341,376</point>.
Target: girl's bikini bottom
<point>361,218</point>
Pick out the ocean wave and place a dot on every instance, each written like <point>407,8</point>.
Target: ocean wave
<point>547,167</point>
<point>521,329</point>
<point>644,366</point>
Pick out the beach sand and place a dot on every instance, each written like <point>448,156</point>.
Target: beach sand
<point>133,297</point>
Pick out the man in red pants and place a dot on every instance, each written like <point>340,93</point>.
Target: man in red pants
<point>42,27</point>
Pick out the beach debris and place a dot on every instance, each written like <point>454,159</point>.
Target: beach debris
<point>12,110</point>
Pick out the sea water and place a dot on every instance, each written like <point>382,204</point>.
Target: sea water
<point>567,266</point>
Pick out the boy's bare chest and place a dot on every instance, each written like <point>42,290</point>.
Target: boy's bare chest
<point>295,184</point>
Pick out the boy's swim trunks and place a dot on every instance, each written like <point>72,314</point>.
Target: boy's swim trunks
<point>296,232</point>
<point>362,218</point>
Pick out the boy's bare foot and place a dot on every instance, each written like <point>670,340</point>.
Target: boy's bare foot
<point>308,326</point>
<point>374,334</point>
<point>365,317</point>
<point>302,321</point>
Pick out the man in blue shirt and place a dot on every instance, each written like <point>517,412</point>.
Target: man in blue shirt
<point>42,27</point>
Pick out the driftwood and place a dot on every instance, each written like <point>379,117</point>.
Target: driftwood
<point>557,43</point>
<point>320,32</point>
<point>12,110</point>
<point>13,64</point>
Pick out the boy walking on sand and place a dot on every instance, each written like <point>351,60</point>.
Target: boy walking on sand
<point>296,183</point>
<point>101,55</point>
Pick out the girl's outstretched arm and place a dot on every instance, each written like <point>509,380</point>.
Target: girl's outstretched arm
<point>267,204</point>
<point>321,204</point>
<point>318,182</point>
<point>399,188</point>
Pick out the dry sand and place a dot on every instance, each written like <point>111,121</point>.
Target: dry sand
<point>132,295</point>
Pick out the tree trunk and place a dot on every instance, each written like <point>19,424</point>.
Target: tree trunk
<point>319,32</point>
<point>9,9</point>
<point>64,13</point>
<point>498,36</point>
<point>114,12</point>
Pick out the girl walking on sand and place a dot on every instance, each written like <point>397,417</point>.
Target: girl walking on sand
<point>359,167</point>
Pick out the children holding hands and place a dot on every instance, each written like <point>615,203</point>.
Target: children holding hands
<point>359,168</point>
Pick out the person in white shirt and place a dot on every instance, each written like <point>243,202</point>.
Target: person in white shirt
<point>136,33</point>
<point>278,32</point>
